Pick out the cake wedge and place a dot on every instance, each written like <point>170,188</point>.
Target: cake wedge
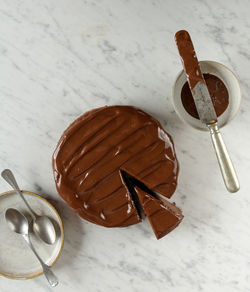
<point>163,216</point>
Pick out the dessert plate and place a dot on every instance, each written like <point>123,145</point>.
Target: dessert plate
<point>16,259</point>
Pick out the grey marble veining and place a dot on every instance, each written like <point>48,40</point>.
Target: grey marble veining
<point>59,59</point>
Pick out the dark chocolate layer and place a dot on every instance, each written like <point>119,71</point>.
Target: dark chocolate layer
<point>91,153</point>
<point>218,93</point>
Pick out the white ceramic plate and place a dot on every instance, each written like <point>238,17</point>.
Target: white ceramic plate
<point>16,259</point>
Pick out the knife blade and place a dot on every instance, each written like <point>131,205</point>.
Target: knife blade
<point>203,103</point>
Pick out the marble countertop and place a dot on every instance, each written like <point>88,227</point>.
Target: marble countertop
<point>59,59</point>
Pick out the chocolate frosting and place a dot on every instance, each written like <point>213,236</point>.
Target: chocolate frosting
<point>162,215</point>
<point>96,148</point>
<point>218,93</point>
<point>189,58</point>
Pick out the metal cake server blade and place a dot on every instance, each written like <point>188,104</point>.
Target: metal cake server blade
<point>205,108</point>
<point>204,104</point>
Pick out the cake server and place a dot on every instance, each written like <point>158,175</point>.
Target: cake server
<point>205,108</point>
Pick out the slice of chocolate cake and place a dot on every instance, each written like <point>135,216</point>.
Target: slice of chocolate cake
<point>96,148</point>
<point>162,215</point>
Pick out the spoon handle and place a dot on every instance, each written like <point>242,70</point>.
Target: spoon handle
<point>50,276</point>
<point>9,177</point>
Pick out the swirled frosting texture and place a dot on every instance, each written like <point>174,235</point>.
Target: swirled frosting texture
<point>93,150</point>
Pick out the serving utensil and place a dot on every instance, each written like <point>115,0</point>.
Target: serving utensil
<point>205,108</point>
<point>19,224</point>
<point>42,225</point>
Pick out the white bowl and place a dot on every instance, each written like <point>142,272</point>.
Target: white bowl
<point>231,82</point>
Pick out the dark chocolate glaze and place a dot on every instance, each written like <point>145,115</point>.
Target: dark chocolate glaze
<point>162,215</point>
<point>94,149</point>
<point>189,58</point>
<point>218,93</point>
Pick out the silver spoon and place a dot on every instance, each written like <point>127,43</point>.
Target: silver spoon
<point>19,224</point>
<point>42,225</point>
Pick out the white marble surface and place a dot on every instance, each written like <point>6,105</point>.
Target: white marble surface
<point>61,58</point>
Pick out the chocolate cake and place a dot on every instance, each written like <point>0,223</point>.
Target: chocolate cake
<point>95,151</point>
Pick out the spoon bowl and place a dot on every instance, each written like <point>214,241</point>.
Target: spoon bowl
<point>44,228</point>
<point>17,221</point>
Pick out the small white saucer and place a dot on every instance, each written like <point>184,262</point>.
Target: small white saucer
<point>229,79</point>
<point>16,259</point>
